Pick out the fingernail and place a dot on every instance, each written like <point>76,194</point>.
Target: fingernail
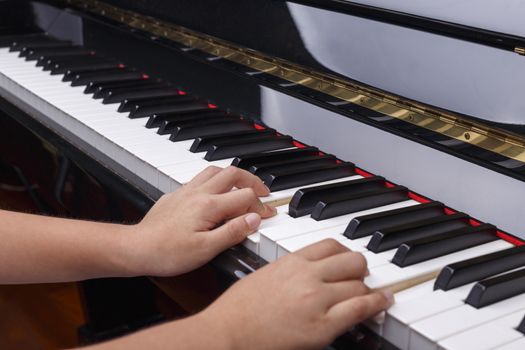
<point>367,273</point>
<point>379,318</point>
<point>253,220</point>
<point>272,209</point>
<point>267,189</point>
<point>389,296</point>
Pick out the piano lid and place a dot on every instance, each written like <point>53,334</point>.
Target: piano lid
<point>396,71</point>
<point>504,16</point>
<point>456,67</point>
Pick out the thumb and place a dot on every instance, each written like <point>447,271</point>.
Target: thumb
<point>348,313</point>
<point>234,231</point>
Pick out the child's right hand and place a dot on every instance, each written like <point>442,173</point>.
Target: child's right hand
<point>302,301</point>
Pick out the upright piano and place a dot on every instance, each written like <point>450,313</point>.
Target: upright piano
<point>394,128</point>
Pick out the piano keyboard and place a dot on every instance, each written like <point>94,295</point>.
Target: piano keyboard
<point>458,284</point>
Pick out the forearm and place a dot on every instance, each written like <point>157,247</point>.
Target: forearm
<point>35,249</point>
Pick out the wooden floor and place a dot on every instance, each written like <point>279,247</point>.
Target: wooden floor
<point>39,316</point>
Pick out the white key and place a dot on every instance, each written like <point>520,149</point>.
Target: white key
<point>396,328</point>
<point>293,244</point>
<point>387,275</point>
<point>84,107</point>
<point>515,345</point>
<point>298,226</point>
<point>278,195</point>
<point>486,336</point>
<point>377,324</point>
<point>252,241</point>
<point>427,333</point>
<point>377,259</point>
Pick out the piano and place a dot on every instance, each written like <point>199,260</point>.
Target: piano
<point>395,129</point>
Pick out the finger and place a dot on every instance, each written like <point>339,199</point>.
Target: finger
<point>341,291</point>
<point>322,249</point>
<point>204,176</point>
<point>232,177</point>
<point>233,232</point>
<point>342,266</point>
<point>348,313</point>
<point>239,202</point>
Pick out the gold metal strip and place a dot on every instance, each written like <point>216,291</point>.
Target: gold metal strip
<point>499,141</point>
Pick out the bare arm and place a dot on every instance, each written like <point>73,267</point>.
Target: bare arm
<point>38,249</point>
<point>302,301</point>
<point>273,308</point>
<point>181,232</point>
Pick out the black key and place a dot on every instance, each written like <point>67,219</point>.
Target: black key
<point>478,268</point>
<point>315,161</point>
<point>93,86</point>
<point>68,67</point>
<point>362,201</point>
<point>177,105</point>
<point>521,327</point>
<point>104,76</point>
<point>19,40</point>
<point>292,164</point>
<point>48,62</point>
<point>157,120</point>
<point>496,289</point>
<point>262,158</point>
<point>236,148</point>
<point>133,103</point>
<point>305,199</point>
<point>204,144</point>
<point>419,250</point>
<point>82,76</point>
<point>391,238</point>
<point>59,52</point>
<point>366,225</point>
<point>188,132</point>
<point>100,90</point>
<point>64,67</point>
<point>31,53</point>
<point>172,126</point>
<point>34,41</point>
<point>289,179</point>
<point>25,49</point>
<point>119,95</point>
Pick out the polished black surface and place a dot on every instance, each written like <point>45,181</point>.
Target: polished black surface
<point>392,237</point>
<point>304,200</point>
<point>262,21</point>
<point>471,270</point>
<point>254,30</point>
<point>366,225</point>
<point>237,92</point>
<point>282,180</point>
<point>497,288</point>
<point>242,92</point>
<point>422,249</point>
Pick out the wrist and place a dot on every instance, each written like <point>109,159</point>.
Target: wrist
<point>221,332</point>
<point>126,254</point>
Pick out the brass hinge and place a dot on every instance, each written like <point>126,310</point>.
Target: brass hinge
<point>410,111</point>
<point>520,50</point>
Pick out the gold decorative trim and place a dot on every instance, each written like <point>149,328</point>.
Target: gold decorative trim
<point>446,123</point>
